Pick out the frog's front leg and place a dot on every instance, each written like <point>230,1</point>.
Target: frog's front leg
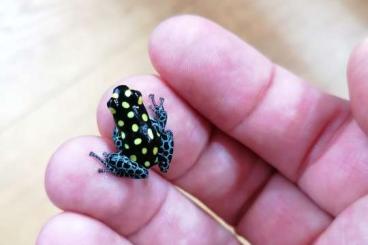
<point>166,150</point>
<point>158,109</point>
<point>118,141</point>
<point>120,165</point>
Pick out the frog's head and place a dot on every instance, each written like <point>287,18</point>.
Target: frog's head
<point>122,101</point>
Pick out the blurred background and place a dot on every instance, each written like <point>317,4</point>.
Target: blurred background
<point>57,57</point>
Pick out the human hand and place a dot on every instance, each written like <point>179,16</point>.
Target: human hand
<point>277,159</point>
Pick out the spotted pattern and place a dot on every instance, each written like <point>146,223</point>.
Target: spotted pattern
<point>130,114</point>
<point>125,105</point>
<point>166,151</point>
<point>121,165</point>
<point>120,123</point>
<point>145,117</point>
<point>140,142</point>
<point>135,127</point>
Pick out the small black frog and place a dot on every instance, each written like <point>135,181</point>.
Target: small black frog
<point>140,141</point>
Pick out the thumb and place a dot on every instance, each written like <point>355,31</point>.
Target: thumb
<point>358,84</point>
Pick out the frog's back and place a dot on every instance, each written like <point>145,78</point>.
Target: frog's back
<point>139,137</point>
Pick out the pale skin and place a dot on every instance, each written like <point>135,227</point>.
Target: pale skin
<point>281,161</point>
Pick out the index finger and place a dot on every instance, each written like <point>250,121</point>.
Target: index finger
<point>307,135</point>
<point>242,92</point>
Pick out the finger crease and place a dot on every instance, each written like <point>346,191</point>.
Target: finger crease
<point>252,199</point>
<point>323,140</point>
<point>203,149</point>
<point>258,99</point>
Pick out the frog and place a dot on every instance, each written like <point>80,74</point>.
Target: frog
<point>140,141</point>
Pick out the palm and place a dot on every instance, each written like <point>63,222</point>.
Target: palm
<point>277,159</point>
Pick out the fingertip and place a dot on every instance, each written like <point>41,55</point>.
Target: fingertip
<point>73,228</point>
<point>357,63</point>
<point>358,83</point>
<point>203,61</point>
<point>167,38</point>
<point>74,184</point>
<point>69,168</point>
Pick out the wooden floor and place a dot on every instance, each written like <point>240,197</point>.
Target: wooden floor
<point>57,57</point>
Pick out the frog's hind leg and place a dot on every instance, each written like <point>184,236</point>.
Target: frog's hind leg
<point>101,160</point>
<point>158,109</point>
<point>166,151</point>
<point>120,165</point>
<point>92,154</point>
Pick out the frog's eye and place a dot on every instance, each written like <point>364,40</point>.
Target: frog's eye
<point>120,89</point>
<point>115,95</point>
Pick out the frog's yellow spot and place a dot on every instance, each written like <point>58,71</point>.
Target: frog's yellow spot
<point>115,95</point>
<point>113,111</point>
<point>133,158</point>
<point>122,135</point>
<point>147,164</point>
<point>145,117</point>
<point>130,114</point>
<point>144,150</point>
<point>137,141</point>
<point>150,133</point>
<point>120,123</point>
<point>128,93</point>
<point>155,150</point>
<point>158,134</point>
<point>140,100</point>
<point>125,104</point>
<point>135,127</point>
<point>126,146</point>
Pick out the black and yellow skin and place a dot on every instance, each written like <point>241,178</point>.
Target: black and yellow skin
<point>140,141</point>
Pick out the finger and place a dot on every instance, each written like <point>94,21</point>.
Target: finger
<point>358,84</point>
<point>307,135</point>
<point>227,177</point>
<point>136,209</point>
<point>72,228</point>
<point>350,227</point>
<point>260,104</point>
<point>283,215</point>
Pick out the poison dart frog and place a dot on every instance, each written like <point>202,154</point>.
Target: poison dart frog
<point>141,142</point>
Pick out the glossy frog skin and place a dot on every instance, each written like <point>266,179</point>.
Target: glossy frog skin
<point>140,141</point>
